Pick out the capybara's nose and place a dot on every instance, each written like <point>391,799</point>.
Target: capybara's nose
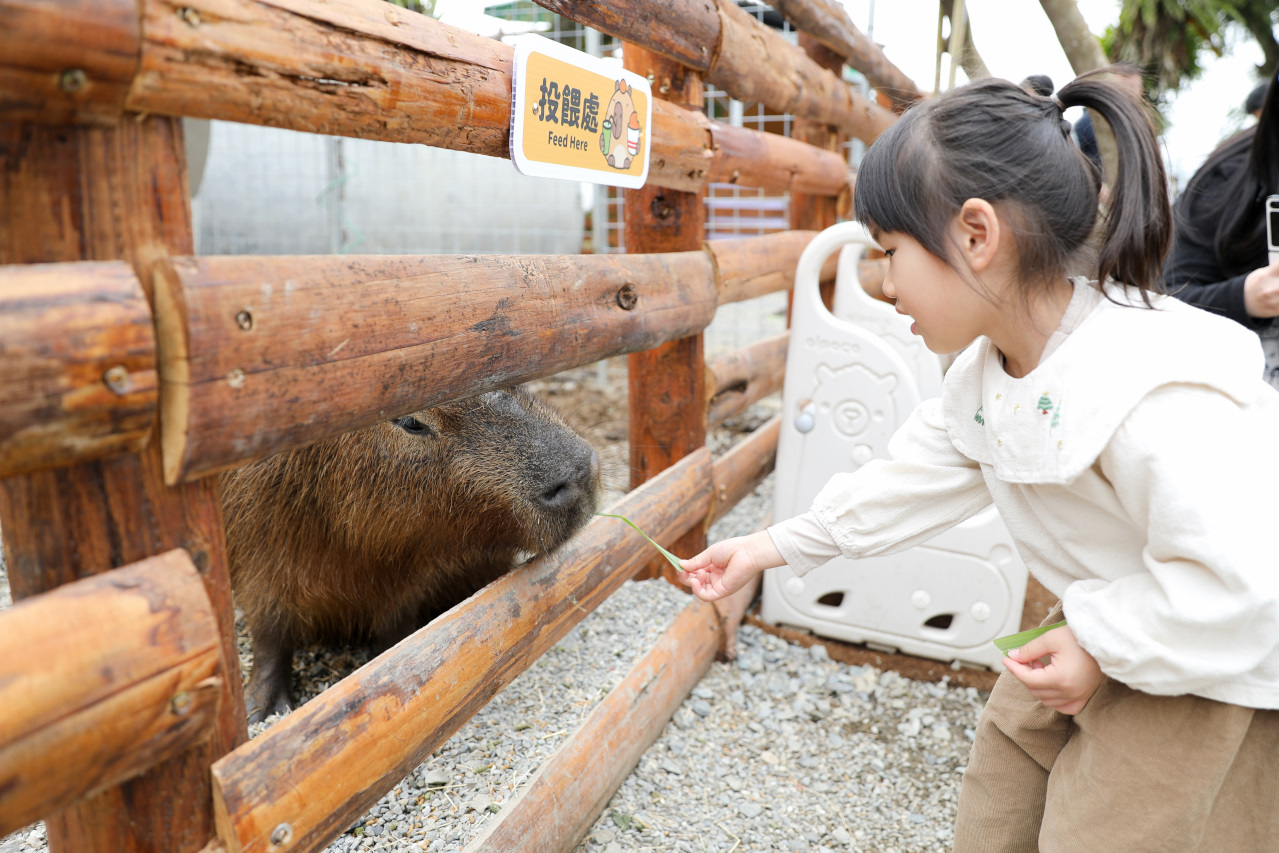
<point>573,483</point>
<point>558,496</point>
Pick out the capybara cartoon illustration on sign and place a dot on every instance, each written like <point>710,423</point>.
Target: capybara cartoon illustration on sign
<point>621,137</point>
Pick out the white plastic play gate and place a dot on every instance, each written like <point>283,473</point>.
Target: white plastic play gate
<point>851,379</point>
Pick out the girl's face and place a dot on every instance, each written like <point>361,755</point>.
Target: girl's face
<point>949,313</point>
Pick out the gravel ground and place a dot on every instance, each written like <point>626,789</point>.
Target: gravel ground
<point>783,749</point>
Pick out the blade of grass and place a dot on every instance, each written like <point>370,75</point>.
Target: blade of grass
<point>1016,641</point>
<point>671,558</point>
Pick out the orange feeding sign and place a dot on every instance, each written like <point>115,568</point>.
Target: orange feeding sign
<point>577,117</point>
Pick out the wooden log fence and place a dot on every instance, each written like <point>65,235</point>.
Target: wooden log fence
<point>557,808</point>
<point>828,22</point>
<point>317,770</point>
<point>130,675</point>
<point>662,379</point>
<point>264,353</point>
<point>80,380</point>
<point>129,363</point>
<point>88,193</point>
<point>742,378</point>
<point>343,68</point>
<point>736,53</point>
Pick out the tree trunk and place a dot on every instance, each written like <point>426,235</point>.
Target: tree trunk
<point>1083,50</point>
<point>1258,24</point>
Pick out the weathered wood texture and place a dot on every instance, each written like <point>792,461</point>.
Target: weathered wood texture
<point>742,378</point>
<point>262,353</point>
<point>85,193</point>
<point>693,43</point>
<point>347,68</point>
<point>755,63</point>
<point>828,22</point>
<point>343,67</point>
<point>666,384</point>
<point>730,611</point>
<point>324,765</point>
<point>810,211</point>
<point>736,474</point>
<point>775,162</point>
<point>750,61</point>
<point>130,675</point>
<point>66,60</point>
<point>741,469</point>
<point>77,364</point>
<point>684,153</point>
<point>755,266</point>
<point>560,804</point>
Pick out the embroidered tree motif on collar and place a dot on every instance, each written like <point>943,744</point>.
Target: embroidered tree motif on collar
<point>1045,404</point>
<point>978,418</point>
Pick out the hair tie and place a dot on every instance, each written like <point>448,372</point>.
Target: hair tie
<point>1057,101</point>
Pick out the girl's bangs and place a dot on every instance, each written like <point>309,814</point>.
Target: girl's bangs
<point>886,196</point>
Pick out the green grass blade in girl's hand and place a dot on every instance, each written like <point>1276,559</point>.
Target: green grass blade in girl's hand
<point>1016,641</point>
<point>671,558</point>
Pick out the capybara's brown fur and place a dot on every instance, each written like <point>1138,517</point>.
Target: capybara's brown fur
<point>369,534</point>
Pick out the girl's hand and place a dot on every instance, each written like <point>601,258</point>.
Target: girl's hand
<point>1069,679</point>
<point>1261,292</point>
<point>725,567</point>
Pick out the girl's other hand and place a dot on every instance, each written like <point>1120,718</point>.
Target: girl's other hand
<point>725,567</point>
<point>1067,681</point>
<point>1261,292</point>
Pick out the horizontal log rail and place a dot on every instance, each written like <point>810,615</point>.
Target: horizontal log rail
<point>747,59</point>
<point>560,804</point>
<point>264,353</point>
<point>754,266</point>
<point>742,378</point>
<point>302,782</point>
<point>69,61</point>
<point>344,68</point>
<point>78,374</point>
<point>120,671</point>
<point>739,471</point>
<point>828,22</point>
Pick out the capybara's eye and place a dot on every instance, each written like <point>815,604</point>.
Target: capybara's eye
<point>412,426</point>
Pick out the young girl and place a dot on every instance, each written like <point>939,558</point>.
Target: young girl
<point>1130,445</point>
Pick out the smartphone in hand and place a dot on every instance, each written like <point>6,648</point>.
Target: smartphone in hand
<point>1272,228</point>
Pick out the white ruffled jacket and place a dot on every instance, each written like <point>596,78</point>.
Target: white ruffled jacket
<point>1137,469</point>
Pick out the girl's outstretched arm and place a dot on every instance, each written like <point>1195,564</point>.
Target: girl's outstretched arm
<point>725,567</point>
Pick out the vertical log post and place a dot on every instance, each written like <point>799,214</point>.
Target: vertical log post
<point>809,211</point>
<point>103,193</point>
<point>667,385</point>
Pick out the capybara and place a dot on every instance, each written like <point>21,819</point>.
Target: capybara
<point>370,534</point>
<point>621,135</point>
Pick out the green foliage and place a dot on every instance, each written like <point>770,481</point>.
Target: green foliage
<point>1168,38</point>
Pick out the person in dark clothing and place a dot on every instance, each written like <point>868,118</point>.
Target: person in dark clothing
<point>1086,139</point>
<point>1257,97</point>
<point>1219,260</point>
<point>1085,136</point>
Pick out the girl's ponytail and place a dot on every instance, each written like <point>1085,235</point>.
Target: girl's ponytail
<point>1138,221</point>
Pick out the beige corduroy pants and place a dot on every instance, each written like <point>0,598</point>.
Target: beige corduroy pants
<point>1130,772</point>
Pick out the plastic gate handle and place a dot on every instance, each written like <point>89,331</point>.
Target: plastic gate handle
<point>671,558</point>
<point>1016,641</point>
